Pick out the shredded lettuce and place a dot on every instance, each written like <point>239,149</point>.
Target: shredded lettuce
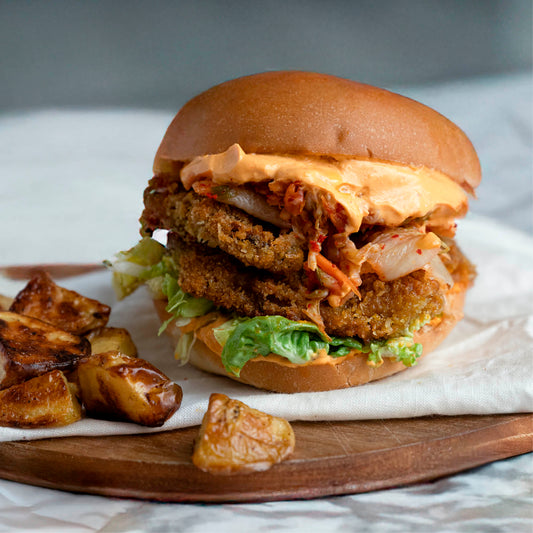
<point>135,266</point>
<point>183,347</point>
<point>403,349</point>
<point>243,339</point>
<point>147,263</point>
<point>180,304</point>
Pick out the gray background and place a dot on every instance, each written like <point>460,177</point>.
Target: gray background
<point>158,54</point>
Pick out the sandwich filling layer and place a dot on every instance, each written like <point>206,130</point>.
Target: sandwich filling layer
<point>358,251</point>
<point>370,192</point>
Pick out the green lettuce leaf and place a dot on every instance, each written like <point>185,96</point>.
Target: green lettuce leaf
<point>183,347</point>
<point>403,349</point>
<point>296,341</point>
<point>180,304</point>
<point>244,339</point>
<point>134,266</point>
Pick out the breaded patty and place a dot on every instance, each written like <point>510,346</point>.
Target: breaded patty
<point>201,219</point>
<point>386,309</point>
<point>246,267</point>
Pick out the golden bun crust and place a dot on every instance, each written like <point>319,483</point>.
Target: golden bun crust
<point>293,112</point>
<point>339,373</point>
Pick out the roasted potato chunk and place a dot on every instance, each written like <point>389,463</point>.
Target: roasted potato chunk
<point>30,347</point>
<point>236,439</point>
<point>44,401</point>
<point>5,302</point>
<point>66,309</point>
<point>113,385</point>
<point>112,340</point>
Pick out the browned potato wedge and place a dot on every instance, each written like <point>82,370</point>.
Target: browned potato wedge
<point>44,401</point>
<point>108,339</point>
<point>30,347</point>
<point>68,310</point>
<point>113,385</point>
<point>5,302</point>
<point>236,439</point>
<point>112,340</point>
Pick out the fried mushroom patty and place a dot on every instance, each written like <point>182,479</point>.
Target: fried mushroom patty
<point>202,219</point>
<point>244,266</point>
<point>386,309</point>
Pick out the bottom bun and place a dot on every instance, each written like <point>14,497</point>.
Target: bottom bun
<point>326,373</point>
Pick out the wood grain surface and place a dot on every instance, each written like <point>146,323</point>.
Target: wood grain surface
<point>56,270</point>
<point>331,458</point>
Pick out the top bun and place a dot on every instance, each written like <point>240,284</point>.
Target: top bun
<point>293,112</point>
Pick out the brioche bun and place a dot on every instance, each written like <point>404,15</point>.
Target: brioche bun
<point>293,112</point>
<point>273,373</point>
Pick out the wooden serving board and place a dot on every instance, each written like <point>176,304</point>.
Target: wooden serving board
<point>331,458</point>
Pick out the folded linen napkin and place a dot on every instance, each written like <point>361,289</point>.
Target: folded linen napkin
<point>484,367</point>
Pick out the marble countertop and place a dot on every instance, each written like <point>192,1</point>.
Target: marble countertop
<point>52,173</point>
<point>494,498</point>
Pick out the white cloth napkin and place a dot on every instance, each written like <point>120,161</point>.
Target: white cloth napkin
<point>484,367</point>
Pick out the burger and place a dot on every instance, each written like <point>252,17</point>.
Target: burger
<point>298,232</point>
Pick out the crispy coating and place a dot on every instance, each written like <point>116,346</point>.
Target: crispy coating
<point>202,219</point>
<point>386,309</point>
